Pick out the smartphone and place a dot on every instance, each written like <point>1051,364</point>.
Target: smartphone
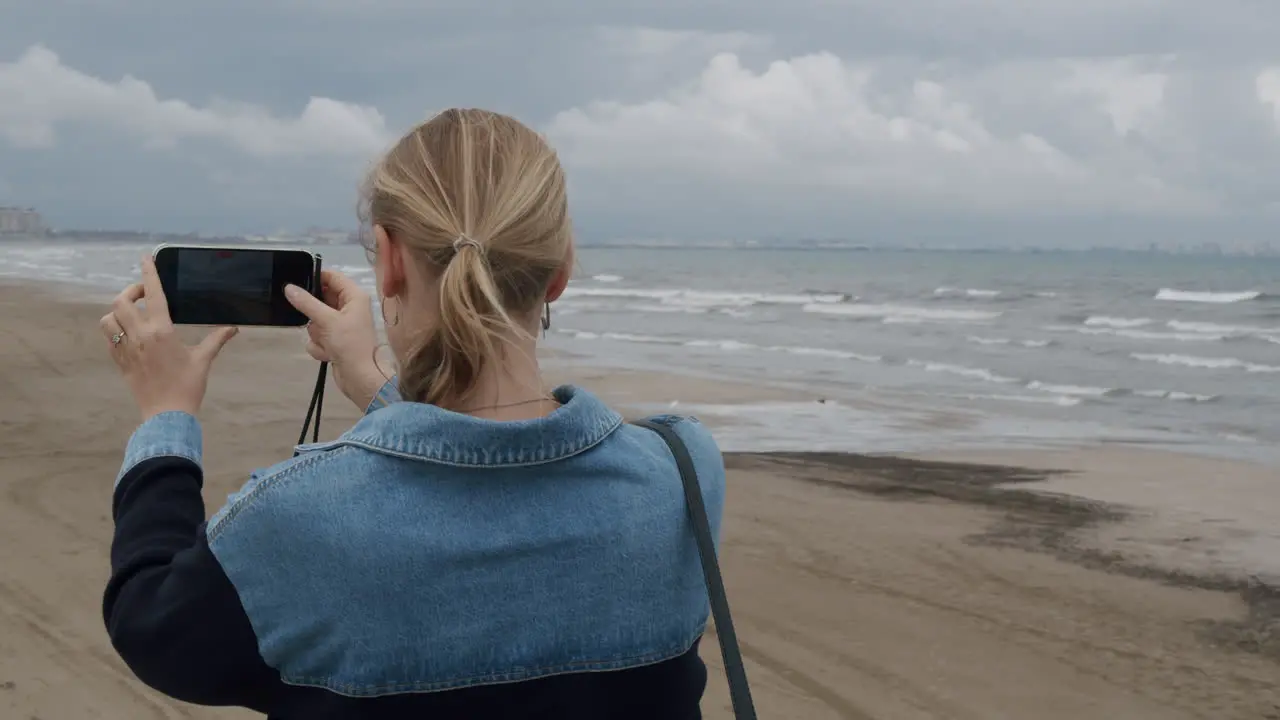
<point>223,285</point>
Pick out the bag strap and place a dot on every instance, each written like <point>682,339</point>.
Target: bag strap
<point>739,692</point>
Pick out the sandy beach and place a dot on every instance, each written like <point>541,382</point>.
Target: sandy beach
<point>973,587</point>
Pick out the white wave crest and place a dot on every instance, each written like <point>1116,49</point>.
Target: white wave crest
<point>903,313</point>
<point>962,371</point>
<point>44,253</point>
<point>725,344</point>
<point>1073,390</point>
<point>1209,363</point>
<point>1149,335</point>
<point>1058,400</point>
<point>824,352</point>
<point>728,345</point>
<point>1008,341</point>
<point>1087,391</point>
<point>1116,322</point>
<point>621,337</point>
<point>1215,328</point>
<point>1175,395</point>
<point>1199,296</point>
<point>648,308</point>
<point>707,298</point>
<point>966,292</point>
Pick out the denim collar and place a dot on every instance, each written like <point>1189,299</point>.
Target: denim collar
<point>417,431</point>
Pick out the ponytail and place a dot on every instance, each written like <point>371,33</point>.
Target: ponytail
<point>480,202</point>
<point>473,322</point>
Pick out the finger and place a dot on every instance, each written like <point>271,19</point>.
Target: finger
<point>110,329</point>
<point>340,290</point>
<point>316,352</point>
<point>110,326</point>
<point>157,304</point>
<point>213,343</point>
<point>307,304</point>
<point>125,308</point>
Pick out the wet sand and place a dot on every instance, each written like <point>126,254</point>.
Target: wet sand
<point>863,587</point>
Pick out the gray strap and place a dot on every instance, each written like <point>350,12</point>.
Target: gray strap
<point>739,692</point>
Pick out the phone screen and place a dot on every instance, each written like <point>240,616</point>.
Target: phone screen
<point>234,286</point>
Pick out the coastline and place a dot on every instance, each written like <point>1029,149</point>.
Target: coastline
<point>947,584</point>
<point>924,364</point>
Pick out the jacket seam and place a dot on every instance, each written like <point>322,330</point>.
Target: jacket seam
<point>383,450</point>
<point>496,678</point>
<point>251,497</point>
<point>163,452</point>
<point>317,453</point>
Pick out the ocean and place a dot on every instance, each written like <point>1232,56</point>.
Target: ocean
<point>906,351</point>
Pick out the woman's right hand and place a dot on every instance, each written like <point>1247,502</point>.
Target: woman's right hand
<point>342,334</point>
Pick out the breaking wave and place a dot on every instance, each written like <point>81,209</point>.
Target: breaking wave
<point>1115,322</point>
<point>967,292</point>
<point>1207,363</point>
<point>706,298</point>
<point>1201,296</point>
<point>1008,341</point>
<point>902,313</point>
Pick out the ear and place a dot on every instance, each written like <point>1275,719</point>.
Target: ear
<point>560,280</point>
<point>390,261</point>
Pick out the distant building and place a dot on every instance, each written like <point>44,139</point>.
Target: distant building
<point>20,221</point>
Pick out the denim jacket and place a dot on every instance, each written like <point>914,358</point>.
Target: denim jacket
<point>426,551</point>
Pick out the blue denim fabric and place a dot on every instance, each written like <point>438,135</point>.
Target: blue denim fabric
<point>426,550</point>
<point>169,434</point>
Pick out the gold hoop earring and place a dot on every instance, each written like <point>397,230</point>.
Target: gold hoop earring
<point>546,318</point>
<point>377,364</point>
<point>383,307</point>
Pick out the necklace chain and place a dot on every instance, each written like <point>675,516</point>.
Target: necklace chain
<point>508,405</point>
<point>499,406</point>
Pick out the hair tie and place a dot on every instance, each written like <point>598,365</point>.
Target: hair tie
<point>463,241</point>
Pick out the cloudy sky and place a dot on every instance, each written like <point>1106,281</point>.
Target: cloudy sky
<point>1060,121</point>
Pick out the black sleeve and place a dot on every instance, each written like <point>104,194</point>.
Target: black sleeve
<point>172,614</point>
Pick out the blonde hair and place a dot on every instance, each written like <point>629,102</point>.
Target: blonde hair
<point>480,199</point>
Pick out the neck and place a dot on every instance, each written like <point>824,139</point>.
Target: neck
<point>510,388</point>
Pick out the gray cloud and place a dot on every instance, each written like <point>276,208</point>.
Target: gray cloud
<point>930,118</point>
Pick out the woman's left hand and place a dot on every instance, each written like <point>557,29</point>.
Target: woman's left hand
<point>163,373</point>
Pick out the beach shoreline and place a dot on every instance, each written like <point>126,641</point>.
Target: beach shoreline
<point>1052,583</point>
<point>944,352</point>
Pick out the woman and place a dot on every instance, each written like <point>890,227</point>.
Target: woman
<point>475,546</point>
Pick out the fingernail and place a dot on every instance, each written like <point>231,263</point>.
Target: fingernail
<point>291,290</point>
